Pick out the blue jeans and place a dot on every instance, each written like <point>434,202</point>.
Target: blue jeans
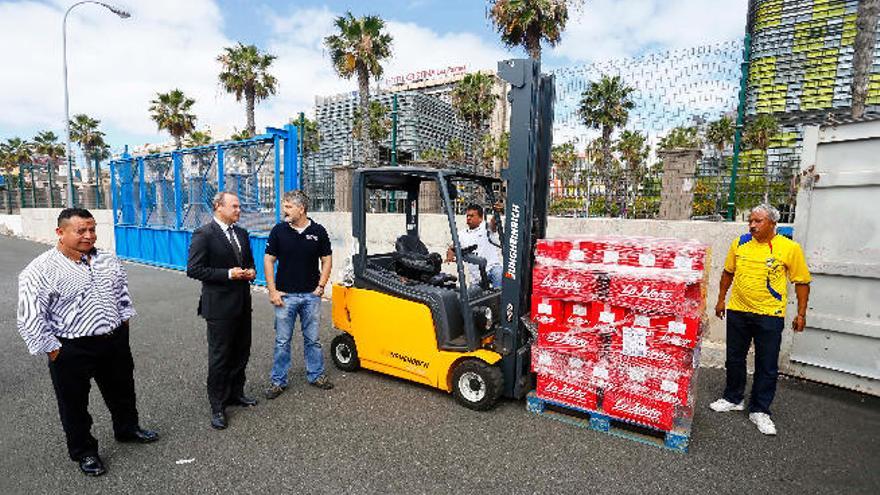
<point>494,274</point>
<point>308,307</point>
<point>766,331</point>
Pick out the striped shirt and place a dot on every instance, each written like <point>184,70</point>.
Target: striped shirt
<point>58,297</point>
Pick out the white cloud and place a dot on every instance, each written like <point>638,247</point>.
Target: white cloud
<point>115,66</point>
<point>605,29</point>
<point>416,47</point>
<point>304,70</point>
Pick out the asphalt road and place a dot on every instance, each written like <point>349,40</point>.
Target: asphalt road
<point>376,434</point>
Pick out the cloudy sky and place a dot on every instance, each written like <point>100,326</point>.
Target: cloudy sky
<point>117,66</point>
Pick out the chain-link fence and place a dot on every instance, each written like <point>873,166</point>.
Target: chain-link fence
<point>37,185</point>
<point>175,190</point>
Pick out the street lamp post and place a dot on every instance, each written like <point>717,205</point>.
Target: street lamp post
<point>122,14</point>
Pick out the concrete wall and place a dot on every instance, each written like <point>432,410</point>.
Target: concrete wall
<point>10,225</point>
<point>38,224</point>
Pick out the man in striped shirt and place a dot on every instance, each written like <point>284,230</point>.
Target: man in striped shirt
<point>74,306</point>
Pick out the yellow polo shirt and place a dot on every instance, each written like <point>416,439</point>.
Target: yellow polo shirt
<point>761,272</point>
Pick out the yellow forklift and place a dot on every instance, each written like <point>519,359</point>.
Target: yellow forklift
<point>399,314</point>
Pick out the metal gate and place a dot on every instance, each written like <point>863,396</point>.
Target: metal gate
<point>160,198</point>
<point>838,225</point>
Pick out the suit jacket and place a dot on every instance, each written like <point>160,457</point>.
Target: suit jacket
<point>210,258</point>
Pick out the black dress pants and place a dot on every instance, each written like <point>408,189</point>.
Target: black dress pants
<point>108,360</point>
<point>766,332</point>
<point>229,348</point>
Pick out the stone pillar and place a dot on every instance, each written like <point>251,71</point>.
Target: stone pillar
<point>677,183</point>
<point>342,182</point>
<point>429,198</point>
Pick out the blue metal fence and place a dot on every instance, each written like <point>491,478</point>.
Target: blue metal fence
<point>159,199</point>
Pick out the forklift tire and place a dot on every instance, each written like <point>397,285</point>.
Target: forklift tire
<point>344,353</point>
<point>476,384</point>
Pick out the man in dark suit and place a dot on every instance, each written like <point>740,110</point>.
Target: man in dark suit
<point>220,257</point>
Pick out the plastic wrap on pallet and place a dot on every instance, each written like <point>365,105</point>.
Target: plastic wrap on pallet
<point>620,319</point>
<point>562,281</point>
<point>648,252</point>
<point>553,389</point>
<point>574,341</point>
<point>583,370</point>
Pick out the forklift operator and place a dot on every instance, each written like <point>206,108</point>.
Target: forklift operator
<point>485,237</point>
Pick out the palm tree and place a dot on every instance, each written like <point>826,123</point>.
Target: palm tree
<point>99,152</point>
<point>605,105</point>
<point>455,151</point>
<point>527,22</point>
<point>172,112</point>
<point>17,152</point>
<point>246,75</point>
<point>199,138</point>
<point>6,166</point>
<point>757,136</point>
<point>760,131</point>
<point>680,138</point>
<point>241,135</point>
<point>84,132</point>
<point>309,133</point>
<point>378,124</point>
<point>720,134</point>
<point>633,148</point>
<point>475,101</point>
<point>358,50</point>
<point>46,144</point>
<point>564,158</point>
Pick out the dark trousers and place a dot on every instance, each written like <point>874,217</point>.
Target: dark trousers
<point>229,348</point>
<point>108,360</point>
<point>766,331</point>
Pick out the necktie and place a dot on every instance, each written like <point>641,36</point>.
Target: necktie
<point>231,235</point>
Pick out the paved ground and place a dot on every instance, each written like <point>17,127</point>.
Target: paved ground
<point>375,434</point>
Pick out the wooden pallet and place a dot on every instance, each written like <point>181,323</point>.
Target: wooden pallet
<point>675,440</point>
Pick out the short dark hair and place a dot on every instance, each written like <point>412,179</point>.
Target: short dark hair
<point>475,207</point>
<point>68,213</point>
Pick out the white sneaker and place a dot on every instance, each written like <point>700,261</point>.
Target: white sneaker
<point>722,405</point>
<point>765,424</point>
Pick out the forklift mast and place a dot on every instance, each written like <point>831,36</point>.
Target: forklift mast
<point>526,179</point>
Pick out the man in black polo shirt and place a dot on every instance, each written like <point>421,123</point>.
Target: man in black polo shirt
<point>298,244</point>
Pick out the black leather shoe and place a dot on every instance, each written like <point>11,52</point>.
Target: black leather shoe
<point>91,465</point>
<point>139,436</point>
<point>218,420</point>
<point>243,401</point>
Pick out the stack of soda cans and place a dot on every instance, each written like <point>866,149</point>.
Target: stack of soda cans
<point>620,321</point>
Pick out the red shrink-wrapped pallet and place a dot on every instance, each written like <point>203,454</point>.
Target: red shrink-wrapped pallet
<point>620,320</point>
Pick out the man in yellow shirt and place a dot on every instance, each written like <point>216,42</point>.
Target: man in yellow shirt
<point>759,265</point>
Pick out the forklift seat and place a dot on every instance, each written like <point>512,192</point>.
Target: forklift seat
<point>412,260</point>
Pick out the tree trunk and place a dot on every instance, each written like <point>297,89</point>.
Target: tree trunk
<point>249,107</point>
<point>606,165</point>
<point>98,202</point>
<point>863,56</point>
<point>8,193</point>
<point>533,46</point>
<point>364,95</point>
